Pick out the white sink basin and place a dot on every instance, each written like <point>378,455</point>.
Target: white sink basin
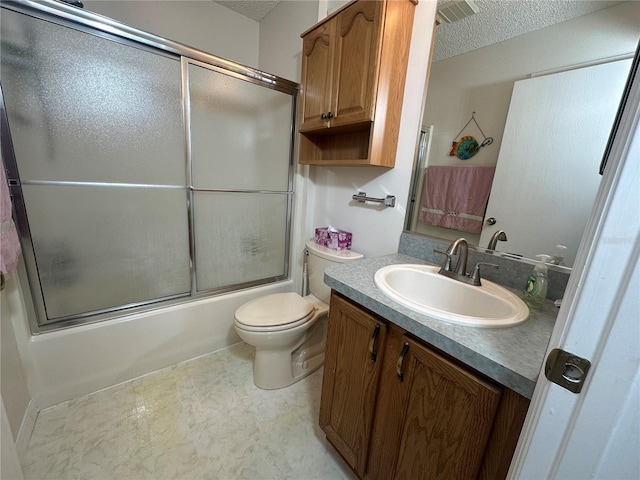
<point>421,289</point>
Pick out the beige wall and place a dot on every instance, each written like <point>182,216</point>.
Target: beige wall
<point>324,195</point>
<point>280,42</point>
<point>10,464</point>
<point>207,26</point>
<point>482,80</point>
<point>15,392</point>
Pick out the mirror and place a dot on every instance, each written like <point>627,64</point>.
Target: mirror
<point>547,97</point>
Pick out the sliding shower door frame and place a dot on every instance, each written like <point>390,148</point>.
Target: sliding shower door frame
<point>74,17</point>
<point>186,103</point>
<point>94,24</point>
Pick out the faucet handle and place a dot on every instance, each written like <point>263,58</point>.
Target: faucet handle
<point>475,276</point>
<point>447,262</point>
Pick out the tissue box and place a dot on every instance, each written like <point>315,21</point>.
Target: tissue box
<point>333,238</point>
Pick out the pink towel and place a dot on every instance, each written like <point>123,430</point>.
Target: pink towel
<point>456,197</point>
<point>9,242</point>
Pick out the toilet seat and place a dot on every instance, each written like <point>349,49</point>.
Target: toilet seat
<point>271,313</point>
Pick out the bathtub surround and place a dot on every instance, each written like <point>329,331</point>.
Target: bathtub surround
<point>152,216</point>
<point>103,354</point>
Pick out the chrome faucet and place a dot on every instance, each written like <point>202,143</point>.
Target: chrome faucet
<point>498,235</point>
<point>461,248</point>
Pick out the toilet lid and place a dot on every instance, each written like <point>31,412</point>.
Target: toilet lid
<point>274,310</point>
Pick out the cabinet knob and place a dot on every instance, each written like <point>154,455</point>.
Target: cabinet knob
<point>323,116</point>
<point>329,116</point>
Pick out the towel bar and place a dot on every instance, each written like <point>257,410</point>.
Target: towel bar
<point>389,200</point>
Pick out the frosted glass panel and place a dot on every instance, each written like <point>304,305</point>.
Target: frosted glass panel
<point>240,237</point>
<point>101,247</point>
<point>98,131</point>
<point>83,108</point>
<point>240,133</point>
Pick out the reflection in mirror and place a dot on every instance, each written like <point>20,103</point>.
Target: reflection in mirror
<point>548,99</point>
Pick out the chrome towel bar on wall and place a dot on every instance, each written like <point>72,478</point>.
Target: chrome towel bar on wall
<point>389,200</point>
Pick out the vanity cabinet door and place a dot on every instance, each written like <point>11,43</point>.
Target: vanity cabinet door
<point>412,413</point>
<point>440,420</point>
<point>353,361</point>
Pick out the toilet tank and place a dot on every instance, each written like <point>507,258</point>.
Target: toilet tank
<point>318,260</point>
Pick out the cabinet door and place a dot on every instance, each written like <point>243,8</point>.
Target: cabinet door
<point>448,415</point>
<point>317,69</point>
<point>354,76</point>
<point>355,348</point>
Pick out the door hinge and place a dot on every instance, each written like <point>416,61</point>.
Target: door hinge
<point>566,369</point>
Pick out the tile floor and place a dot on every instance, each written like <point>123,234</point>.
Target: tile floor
<point>202,419</point>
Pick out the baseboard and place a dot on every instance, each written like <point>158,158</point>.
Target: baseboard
<point>26,428</point>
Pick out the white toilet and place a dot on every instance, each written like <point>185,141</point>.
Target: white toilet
<point>289,331</point>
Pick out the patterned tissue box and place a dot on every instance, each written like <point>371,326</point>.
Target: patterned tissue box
<point>333,238</point>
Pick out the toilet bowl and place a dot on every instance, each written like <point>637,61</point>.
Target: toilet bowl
<point>289,331</point>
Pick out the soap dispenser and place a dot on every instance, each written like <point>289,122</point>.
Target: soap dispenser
<point>535,291</point>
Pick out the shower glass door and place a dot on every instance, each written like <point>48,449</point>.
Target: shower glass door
<point>139,176</point>
<point>240,165</point>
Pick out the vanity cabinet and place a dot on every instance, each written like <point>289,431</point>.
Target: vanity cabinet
<point>357,340</point>
<point>396,408</point>
<point>353,73</point>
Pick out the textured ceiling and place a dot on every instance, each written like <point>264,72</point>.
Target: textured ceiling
<point>255,9</point>
<point>500,20</point>
<point>496,21</point>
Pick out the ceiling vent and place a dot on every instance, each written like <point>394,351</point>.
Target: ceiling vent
<point>457,10</point>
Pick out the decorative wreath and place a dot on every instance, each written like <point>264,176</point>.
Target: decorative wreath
<point>467,146</point>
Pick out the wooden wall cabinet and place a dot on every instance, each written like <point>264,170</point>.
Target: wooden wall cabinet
<point>396,408</point>
<point>353,74</point>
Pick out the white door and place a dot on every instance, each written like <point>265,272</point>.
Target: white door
<point>556,130</point>
<point>596,434</point>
